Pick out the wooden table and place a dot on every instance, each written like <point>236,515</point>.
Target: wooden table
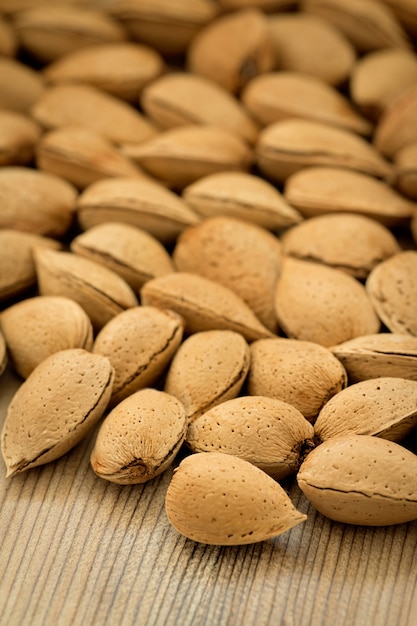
<point>76,550</point>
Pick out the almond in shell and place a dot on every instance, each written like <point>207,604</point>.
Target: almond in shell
<point>18,137</point>
<point>20,85</point>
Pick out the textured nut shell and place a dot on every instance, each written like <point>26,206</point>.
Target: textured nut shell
<point>302,373</point>
<point>129,251</point>
<point>321,304</point>
<point>20,85</point>
<point>383,354</point>
<point>242,256</point>
<point>360,479</point>
<point>320,190</point>
<point>139,343</point>
<point>269,433</point>
<point>208,368</point>
<point>310,241</point>
<point>142,203</point>
<point>280,95</point>
<point>385,407</point>
<point>398,125</point>
<point>83,105</point>
<point>55,408</point>
<point>406,170</point>
<point>219,499</point>
<point>17,266</point>
<point>37,327</point>
<point>241,195</point>
<point>18,136</point>
<point>35,201</point>
<point>296,35</point>
<point>3,353</point>
<point>139,438</point>
<point>81,156</point>
<point>121,69</point>
<point>98,290</point>
<point>203,303</point>
<point>292,144</point>
<point>181,155</point>
<point>233,49</point>
<point>392,289</point>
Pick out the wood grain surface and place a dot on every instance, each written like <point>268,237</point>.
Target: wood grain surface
<point>77,550</point>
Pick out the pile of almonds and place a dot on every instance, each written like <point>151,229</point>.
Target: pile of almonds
<point>208,228</point>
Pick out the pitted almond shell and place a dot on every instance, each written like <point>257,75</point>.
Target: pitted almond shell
<point>132,253</point>
<point>20,85</point>
<point>310,241</point>
<point>241,195</point>
<point>361,479</point>
<point>3,353</point>
<point>219,499</point>
<point>293,144</point>
<point>35,201</point>
<point>55,408</point>
<point>383,354</point>
<point>392,289</point>
<point>208,368</point>
<point>139,438</point>
<point>398,125</point>
<point>242,256</point>
<point>179,156</point>
<point>406,170</point>
<point>322,304</point>
<point>276,96</point>
<point>121,69</point>
<point>138,202</point>
<point>179,99</point>
<point>37,327</point>
<point>139,343</point>
<point>18,137</point>
<point>98,290</point>
<point>302,373</point>
<point>321,190</point>
<point>267,432</point>
<point>203,303</point>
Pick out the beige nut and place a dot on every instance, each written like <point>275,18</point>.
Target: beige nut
<point>8,38</point>
<point>397,127</point>
<point>18,137</point>
<point>20,85</point>
<point>406,170</point>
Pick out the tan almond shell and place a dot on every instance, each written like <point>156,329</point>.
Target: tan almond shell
<point>302,373</point>
<point>18,137</point>
<point>3,353</point>
<point>83,105</point>
<point>369,25</point>
<point>208,368</point>
<point>166,26</point>
<point>276,96</point>
<point>98,290</point>
<point>384,406</point>
<point>292,144</point>
<point>406,170</point>
<point>139,343</point>
<point>310,241</point>
<point>139,438</point>
<point>48,32</point>
<point>241,195</point>
<point>219,499</point>
<point>265,5</point>
<point>132,253</point>
<point>321,190</point>
<point>54,408</point>
<point>179,99</point>
<point>379,77</point>
<point>383,354</point>
<point>296,35</point>
<point>233,49</point>
<point>20,85</point>
<point>138,202</point>
<point>397,127</point>
<point>321,304</point>
<point>179,156</point>
<point>204,304</point>
<point>36,202</point>
<point>239,255</point>
<point>82,156</point>
<point>8,38</point>
<point>361,479</point>
<point>392,289</point>
<point>17,266</point>
<point>121,69</point>
<point>406,12</point>
<point>37,327</point>
<point>267,432</point>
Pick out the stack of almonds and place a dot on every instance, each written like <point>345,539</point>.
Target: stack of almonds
<point>208,228</point>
